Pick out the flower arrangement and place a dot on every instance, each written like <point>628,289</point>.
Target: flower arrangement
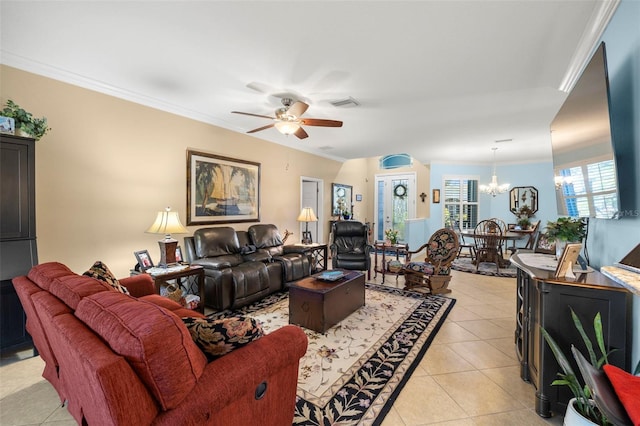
<point>392,235</point>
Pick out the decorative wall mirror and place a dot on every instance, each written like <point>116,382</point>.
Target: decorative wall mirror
<point>341,200</point>
<point>520,196</point>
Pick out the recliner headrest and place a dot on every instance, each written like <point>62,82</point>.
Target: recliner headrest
<point>265,236</point>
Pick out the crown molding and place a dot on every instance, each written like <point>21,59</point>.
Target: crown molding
<point>592,33</point>
<point>55,73</point>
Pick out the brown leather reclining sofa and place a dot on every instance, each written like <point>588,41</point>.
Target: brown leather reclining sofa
<point>242,267</point>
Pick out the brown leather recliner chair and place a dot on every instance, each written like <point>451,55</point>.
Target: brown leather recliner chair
<point>295,263</point>
<point>350,248</point>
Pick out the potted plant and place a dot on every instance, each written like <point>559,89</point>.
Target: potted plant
<point>565,230</point>
<point>25,122</point>
<point>524,215</point>
<point>581,403</point>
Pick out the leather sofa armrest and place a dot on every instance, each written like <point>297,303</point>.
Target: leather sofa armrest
<point>217,263</point>
<point>294,249</point>
<point>189,249</point>
<point>139,285</point>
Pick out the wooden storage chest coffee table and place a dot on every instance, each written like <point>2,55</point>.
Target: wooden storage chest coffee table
<point>319,305</point>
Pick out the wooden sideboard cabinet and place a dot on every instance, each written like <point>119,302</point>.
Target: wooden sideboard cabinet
<point>17,233</point>
<point>544,301</point>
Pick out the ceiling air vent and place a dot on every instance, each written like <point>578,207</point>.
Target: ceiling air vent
<point>345,103</point>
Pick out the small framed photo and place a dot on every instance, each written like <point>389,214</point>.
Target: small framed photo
<point>179,257</point>
<point>144,259</point>
<point>565,263</point>
<point>7,125</point>
<point>358,197</point>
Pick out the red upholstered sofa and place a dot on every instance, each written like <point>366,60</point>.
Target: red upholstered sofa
<point>122,359</point>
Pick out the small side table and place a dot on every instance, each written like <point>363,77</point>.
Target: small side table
<point>319,254</point>
<point>191,271</point>
<point>398,249</point>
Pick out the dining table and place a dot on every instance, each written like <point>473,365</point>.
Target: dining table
<point>510,235</point>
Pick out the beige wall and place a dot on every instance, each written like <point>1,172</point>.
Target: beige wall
<point>109,165</point>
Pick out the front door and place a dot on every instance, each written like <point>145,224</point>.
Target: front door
<point>395,201</point>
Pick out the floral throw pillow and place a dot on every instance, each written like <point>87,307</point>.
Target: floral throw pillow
<point>100,272</point>
<point>219,337</point>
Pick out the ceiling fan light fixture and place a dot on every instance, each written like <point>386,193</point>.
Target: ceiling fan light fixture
<point>287,127</point>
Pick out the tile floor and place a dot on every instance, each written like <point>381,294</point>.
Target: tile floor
<point>469,375</point>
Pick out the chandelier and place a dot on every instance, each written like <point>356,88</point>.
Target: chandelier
<point>494,188</point>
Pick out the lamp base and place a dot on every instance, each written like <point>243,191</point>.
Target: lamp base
<point>167,252</point>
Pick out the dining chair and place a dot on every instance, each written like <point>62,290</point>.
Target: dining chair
<point>501,224</point>
<point>534,234</point>
<point>471,247</point>
<point>542,245</point>
<point>488,238</point>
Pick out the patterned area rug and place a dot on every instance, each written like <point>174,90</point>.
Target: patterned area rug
<point>353,373</point>
<point>464,264</point>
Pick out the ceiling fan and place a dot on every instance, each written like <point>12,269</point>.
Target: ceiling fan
<point>288,119</point>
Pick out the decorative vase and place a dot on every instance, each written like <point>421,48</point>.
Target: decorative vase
<point>24,134</point>
<point>560,245</point>
<point>573,418</point>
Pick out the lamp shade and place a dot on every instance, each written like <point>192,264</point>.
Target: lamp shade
<point>307,215</point>
<point>167,223</point>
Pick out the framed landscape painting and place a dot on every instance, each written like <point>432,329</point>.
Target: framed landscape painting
<point>221,189</point>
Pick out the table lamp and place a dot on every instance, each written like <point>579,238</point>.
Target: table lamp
<point>307,215</point>
<point>167,223</point>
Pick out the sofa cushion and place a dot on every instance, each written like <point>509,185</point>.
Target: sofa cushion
<point>44,273</point>
<point>101,272</point>
<point>221,336</point>
<point>73,288</point>
<point>154,342</point>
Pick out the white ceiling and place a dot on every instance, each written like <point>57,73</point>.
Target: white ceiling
<point>439,80</point>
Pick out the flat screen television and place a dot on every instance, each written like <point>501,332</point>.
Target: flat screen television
<point>584,163</point>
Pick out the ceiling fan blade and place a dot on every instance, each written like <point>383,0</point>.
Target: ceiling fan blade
<point>253,115</point>
<point>301,134</point>
<point>297,109</point>
<point>261,128</point>
<point>320,122</point>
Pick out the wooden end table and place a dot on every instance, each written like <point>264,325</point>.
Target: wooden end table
<point>319,254</point>
<point>398,249</point>
<point>191,271</point>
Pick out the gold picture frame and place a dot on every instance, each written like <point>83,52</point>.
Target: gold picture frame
<point>435,196</point>
<point>221,189</point>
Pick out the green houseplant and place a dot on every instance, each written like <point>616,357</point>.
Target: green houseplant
<point>582,396</point>
<point>566,229</point>
<point>25,121</point>
<point>524,215</point>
